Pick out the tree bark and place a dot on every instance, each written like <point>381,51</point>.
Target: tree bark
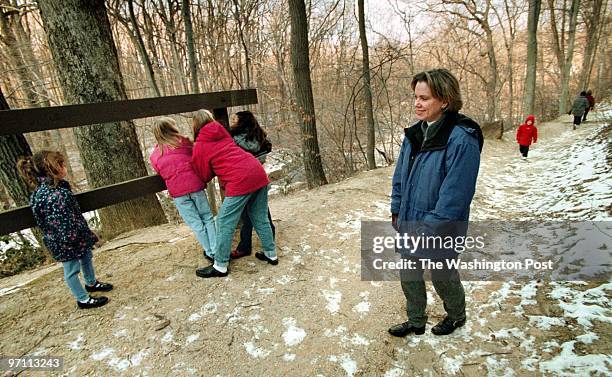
<point>300,61</point>
<point>85,56</point>
<point>532,54</point>
<point>367,88</point>
<point>13,148</point>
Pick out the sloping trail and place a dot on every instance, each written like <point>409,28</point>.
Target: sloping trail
<point>311,314</point>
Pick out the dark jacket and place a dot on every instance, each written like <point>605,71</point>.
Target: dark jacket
<point>252,146</point>
<point>435,180</point>
<point>580,105</point>
<point>57,214</point>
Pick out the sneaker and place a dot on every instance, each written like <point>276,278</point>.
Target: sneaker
<point>99,287</point>
<point>210,272</point>
<point>262,257</point>
<point>447,326</point>
<point>406,328</point>
<point>239,254</point>
<point>93,302</point>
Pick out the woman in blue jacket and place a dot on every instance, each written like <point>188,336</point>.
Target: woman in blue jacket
<point>434,182</point>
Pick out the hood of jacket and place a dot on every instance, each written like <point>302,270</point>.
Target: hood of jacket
<point>213,131</point>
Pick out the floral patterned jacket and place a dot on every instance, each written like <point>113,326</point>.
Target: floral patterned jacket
<point>57,213</point>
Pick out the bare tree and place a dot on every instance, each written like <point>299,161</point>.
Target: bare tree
<point>564,56</point>
<point>300,62</point>
<point>532,53</point>
<point>367,89</point>
<point>143,51</point>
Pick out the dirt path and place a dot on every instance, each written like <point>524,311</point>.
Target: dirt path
<point>311,314</point>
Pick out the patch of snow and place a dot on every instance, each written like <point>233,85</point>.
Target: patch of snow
<point>254,351</point>
<point>333,300</point>
<point>293,335</point>
<point>76,344</point>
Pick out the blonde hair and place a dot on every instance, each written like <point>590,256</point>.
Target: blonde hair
<point>43,164</point>
<point>201,118</point>
<point>166,133</point>
<point>443,85</point>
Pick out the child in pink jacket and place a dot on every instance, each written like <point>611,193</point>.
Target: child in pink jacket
<point>246,188</point>
<point>171,159</point>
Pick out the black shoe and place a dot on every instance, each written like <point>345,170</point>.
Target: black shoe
<point>211,259</point>
<point>210,272</point>
<point>261,256</point>
<point>447,326</point>
<point>93,302</point>
<point>406,328</point>
<point>99,287</point>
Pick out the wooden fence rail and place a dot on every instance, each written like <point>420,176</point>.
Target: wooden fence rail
<point>47,118</point>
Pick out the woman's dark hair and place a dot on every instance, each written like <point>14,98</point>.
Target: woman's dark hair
<point>583,93</point>
<point>43,164</point>
<point>247,124</point>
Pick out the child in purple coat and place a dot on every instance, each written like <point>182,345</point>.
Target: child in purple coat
<point>171,159</point>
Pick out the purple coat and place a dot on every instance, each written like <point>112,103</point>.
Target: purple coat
<point>174,166</point>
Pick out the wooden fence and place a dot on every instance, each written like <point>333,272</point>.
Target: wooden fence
<point>48,118</point>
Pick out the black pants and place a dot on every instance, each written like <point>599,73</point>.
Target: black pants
<point>524,150</point>
<point>577,120</point>
<point>246,232</point>
<point>585,114</point>
<point>447,284</point>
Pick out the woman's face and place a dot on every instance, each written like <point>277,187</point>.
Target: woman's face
<point>233,121</point>
<point>426,106</point>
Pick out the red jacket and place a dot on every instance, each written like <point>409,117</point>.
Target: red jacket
<point>216,154</point>
<point>175,168</point>
<point>527,132</point>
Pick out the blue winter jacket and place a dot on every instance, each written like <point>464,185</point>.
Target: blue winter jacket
<point>435,180</point>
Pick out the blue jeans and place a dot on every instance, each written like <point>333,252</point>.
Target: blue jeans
<point>256,206</point>
<point>195,211</point>
<point>71,275</point>
<point>246,233</point>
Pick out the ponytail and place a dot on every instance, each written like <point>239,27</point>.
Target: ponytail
<point>27,170</point>
<point>43,164</point>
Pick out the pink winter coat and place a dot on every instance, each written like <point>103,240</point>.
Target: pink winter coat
<point>216,154</point>
<point>175,168</point>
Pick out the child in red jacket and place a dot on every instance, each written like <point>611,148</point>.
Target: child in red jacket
<point>246,188</point>
<point>526,133</point>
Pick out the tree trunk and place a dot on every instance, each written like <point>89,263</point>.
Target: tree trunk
<point>193,68</point>
<point>592,30</point>
<point>84,53</point>
<point>367,88</point>
<point>564,59</point>
<point>532,54</point>
<point>12,148</point>
<point>300,61</point>
<point>143,51</point>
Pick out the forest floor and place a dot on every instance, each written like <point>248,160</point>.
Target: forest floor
<point>312,314</point>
